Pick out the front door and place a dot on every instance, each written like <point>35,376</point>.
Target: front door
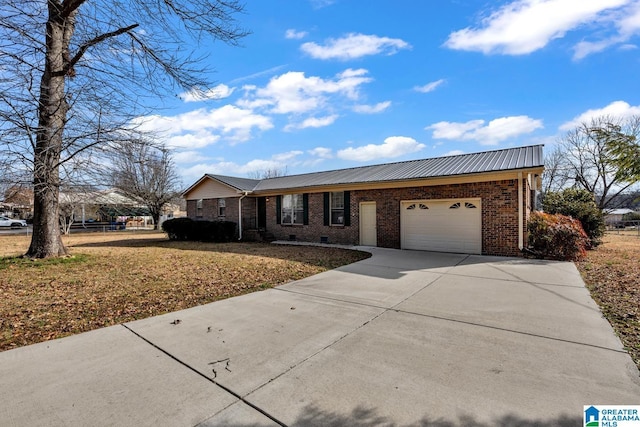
<point>368,234</point>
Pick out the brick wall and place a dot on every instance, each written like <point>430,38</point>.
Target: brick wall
<point>191,209</point>
<point>248,211</point>
<point>346,235</point>
<point>210,210</point>
<point>499,215</point>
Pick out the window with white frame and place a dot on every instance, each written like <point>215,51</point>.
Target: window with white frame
<point>199,207</point>
<point>222,207</point>
<point>337,208</point>
<point>292,209</point>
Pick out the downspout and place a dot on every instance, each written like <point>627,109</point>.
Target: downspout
<point>240,214</point>
<point>520,213</point>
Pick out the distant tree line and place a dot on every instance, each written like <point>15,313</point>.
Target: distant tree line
<point>601,156</point>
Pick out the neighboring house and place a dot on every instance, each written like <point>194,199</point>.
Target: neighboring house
<point>18,202</point>
<point>104,205</point>
<point>14,210</point>
<point>614,216</point>
<point>472,203</point>
<point>173,210</point>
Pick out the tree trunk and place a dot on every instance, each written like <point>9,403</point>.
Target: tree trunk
<point>155,214</point>
<point>52,115</point>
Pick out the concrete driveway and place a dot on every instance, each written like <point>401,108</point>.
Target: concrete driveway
<point>403,338</point>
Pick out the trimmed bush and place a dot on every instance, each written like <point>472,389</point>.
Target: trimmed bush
<point>214,231</point>
<point>178,228</point>
<point>200,231</point>
<point>581,205</point>
<point>557,237</point>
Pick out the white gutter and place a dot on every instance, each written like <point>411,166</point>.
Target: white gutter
<point>246,193</point>
<point>520,213</point>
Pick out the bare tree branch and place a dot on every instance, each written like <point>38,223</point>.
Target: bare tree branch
<point>145,172</point>
<point>584,159</point>
<point>96,40</point>
<point>76,73</point>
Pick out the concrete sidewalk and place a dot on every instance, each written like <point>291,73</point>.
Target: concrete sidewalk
<point>402,338</point>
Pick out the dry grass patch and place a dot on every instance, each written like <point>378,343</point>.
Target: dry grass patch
<point>118,277</point>
<point>612,274</point>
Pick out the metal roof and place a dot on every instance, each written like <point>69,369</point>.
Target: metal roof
<point>463,164</point>
<point>623,211</point>
<point>242,184</point>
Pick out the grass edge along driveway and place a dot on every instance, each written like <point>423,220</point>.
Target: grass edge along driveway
<point>113,278</point>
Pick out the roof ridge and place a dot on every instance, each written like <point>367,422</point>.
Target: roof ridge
<point>500,160</point>
<point>404,162</point>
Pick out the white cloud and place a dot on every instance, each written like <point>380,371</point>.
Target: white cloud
<point>321,152</point>
<point>295,93</point>
<point>354,46</point>
<point>393,146</point>
<point>453,153</point>
<point>199,139</point>
<point>627,23</point>
<point>277,161</point>
<point>617,109</point>
<point>630,22</point>
<point>185,157</point>
<point>524,26</point>
<point>271,70</point>
<point>202,127</point>
<point>218,92</point>
<point>453,130</point>
<point>372,109</point>
<point>289,156</point>
<point>312,122</point>
<point>492,133</point>
<point>294,34</point>
<point>429,87</point>
<point>584,49</point>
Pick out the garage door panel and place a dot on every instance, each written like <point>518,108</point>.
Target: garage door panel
<point>434,225</point>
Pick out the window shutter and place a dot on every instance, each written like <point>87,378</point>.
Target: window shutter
<point>347,208</point>
<point>327,212</point>
<point>305,206</point>
<point>278,209</point>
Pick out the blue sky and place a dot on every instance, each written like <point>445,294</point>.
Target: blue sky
<point>328,84</point>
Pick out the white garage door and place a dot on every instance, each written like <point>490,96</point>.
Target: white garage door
<point>442,225</point>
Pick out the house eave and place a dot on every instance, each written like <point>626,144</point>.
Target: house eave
<point>238,191</point>
<point>404,183</point>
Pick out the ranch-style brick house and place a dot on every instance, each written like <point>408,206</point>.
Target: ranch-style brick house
<point>475,203</point>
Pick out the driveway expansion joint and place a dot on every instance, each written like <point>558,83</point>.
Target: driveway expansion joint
<point>318,351</point>
<point>197,372</point>
<point>497,328</point>
<point>397,310</point>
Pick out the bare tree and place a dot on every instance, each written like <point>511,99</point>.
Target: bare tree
<point>586,161</point>
<point>19,194</point>
<point>554,175</point>
<point>70,202</point>
<point>146,173</point>
<point>75,72</point>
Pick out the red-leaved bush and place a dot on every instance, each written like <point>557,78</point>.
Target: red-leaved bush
<point>558,237</point>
